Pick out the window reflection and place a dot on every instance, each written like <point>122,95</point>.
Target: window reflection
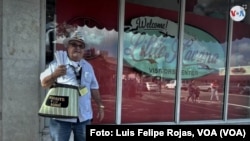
<point>215,13</point>
<point>202,100</point>
<point>149,70</point>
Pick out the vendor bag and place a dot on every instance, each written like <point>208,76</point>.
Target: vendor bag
<point>61,101</point>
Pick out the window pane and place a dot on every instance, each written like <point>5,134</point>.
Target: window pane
<point>150,51</point>
<point>98,23</point>
<point>204,53</point>
<point>239,92</point>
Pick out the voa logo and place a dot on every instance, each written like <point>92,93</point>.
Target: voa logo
<point>237,13</point>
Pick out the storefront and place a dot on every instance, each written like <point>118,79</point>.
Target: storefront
<point>163,41</point>
<point>136,48</point>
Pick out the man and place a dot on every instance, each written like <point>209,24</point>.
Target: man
<point>191,91</point>
<point>75,71</point>
<point>197,94</point>
<point>214,90</point>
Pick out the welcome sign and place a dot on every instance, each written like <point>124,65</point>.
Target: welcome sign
<point>150,45</point>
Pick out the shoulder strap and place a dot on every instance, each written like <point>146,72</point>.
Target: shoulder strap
<point>77,74</point>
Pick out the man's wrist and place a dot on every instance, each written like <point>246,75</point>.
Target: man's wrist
<point>52,76</point>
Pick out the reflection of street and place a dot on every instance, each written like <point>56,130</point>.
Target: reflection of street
<point>238,107</point>
<point>160,106</point>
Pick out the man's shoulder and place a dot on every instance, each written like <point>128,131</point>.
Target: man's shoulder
<point>52,63</point>
<point>85,63</point>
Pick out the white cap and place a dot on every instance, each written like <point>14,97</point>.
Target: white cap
<point>76,36</point>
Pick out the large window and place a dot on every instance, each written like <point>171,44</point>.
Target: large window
<point>239,65</point>
<point>204,53</point>
<point>166,46</point>
<point>150,52</point>
<point>217,56</point>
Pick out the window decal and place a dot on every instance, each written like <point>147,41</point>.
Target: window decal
<point>150,45</point>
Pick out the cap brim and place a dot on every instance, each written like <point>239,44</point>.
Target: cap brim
<point>66,41</point>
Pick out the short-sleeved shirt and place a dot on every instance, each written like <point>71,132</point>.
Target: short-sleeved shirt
<point>214,85</point>
<point>88,79</point>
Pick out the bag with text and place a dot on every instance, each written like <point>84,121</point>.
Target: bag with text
<point>61,101</point>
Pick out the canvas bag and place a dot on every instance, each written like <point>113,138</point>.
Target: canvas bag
<point>61,101</point>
